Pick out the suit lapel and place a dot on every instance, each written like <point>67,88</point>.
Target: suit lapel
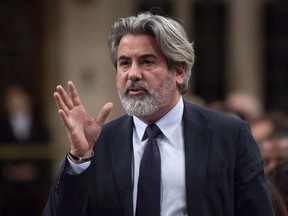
<point>197,139</point>
<point>122,150</point>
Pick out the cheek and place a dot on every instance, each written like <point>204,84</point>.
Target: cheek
<point>153,84</point>
<point>121,80</point>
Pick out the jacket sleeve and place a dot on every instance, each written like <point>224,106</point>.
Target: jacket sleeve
<point>252,196</point>
<point>69,194</point>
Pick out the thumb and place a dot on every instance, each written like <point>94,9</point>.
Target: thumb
<point>104,112</point>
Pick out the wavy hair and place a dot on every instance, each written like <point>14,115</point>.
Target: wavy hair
<point>169,35</point>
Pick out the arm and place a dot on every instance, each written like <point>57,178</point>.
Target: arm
<point>69,195</point>
<point>251,190</point>
<point>83,131</point>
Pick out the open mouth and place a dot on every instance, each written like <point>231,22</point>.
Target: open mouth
<point>136,90</point>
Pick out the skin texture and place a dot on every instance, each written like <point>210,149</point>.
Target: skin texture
<point>140,60</point>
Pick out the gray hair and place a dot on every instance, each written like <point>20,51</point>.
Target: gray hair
<point>169,35</point>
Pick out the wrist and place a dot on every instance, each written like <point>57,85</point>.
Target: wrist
<point>80,153</point>
<point>78,160</point>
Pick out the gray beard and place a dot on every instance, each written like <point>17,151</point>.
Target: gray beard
<point>139,105</point>
<point>149,103</point>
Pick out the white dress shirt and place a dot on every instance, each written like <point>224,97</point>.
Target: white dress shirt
<point>171,145</point>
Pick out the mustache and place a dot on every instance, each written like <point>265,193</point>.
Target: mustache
<point>132,85</point>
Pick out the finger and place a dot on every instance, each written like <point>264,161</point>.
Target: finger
<point>74,94</point>
<point>60,104</point>
<point>106,109</point>
<point>67,101</point>
<point>65,120</point>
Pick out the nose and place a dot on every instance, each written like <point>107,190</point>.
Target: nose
<point>135,73</point>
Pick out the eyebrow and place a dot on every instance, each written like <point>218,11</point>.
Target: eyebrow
<point>122,57</point>
<point>141,57</point>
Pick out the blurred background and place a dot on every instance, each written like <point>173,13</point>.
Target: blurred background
<point>241,68</point>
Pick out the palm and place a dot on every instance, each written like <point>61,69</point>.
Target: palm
<point>83,130</point>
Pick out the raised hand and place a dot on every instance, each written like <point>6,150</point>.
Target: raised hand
<point>82,129</point>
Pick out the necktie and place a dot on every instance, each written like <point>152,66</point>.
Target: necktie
<point>148,197</point>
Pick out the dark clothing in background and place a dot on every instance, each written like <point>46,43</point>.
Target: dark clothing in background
<point>23,197</point>
<point>38,132</point>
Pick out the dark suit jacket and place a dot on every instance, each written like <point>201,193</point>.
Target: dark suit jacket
<point>224,171</point>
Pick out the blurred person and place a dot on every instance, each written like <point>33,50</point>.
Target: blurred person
<point>279,177</point>
<point>268,124</point>
<point>274,150</point>
<point>194,161</point>
<point>21,122</point>
<point>21,180</point>
<point>244,106</point>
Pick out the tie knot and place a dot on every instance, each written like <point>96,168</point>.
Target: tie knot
<point>152,131</point>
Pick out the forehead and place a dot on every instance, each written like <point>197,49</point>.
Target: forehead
<point>138,44</point>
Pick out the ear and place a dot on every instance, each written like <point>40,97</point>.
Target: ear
<point>180,72</point>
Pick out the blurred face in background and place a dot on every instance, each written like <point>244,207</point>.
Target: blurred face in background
<point>274,151</point>
<point>261,130</point>
<point>17,100</point>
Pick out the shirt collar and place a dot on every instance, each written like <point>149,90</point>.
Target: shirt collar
<point>167,124</point>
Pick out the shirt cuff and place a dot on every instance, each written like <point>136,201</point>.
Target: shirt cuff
<point>76,169</point>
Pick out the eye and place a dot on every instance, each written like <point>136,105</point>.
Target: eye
<point>123,62</point>
<point>148,61</point>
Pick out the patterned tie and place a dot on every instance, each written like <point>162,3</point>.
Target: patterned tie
<point>148,197</point>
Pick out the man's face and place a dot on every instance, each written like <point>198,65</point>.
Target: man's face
<point>145,86</point>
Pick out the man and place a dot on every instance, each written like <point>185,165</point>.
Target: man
<point>210,164</point>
